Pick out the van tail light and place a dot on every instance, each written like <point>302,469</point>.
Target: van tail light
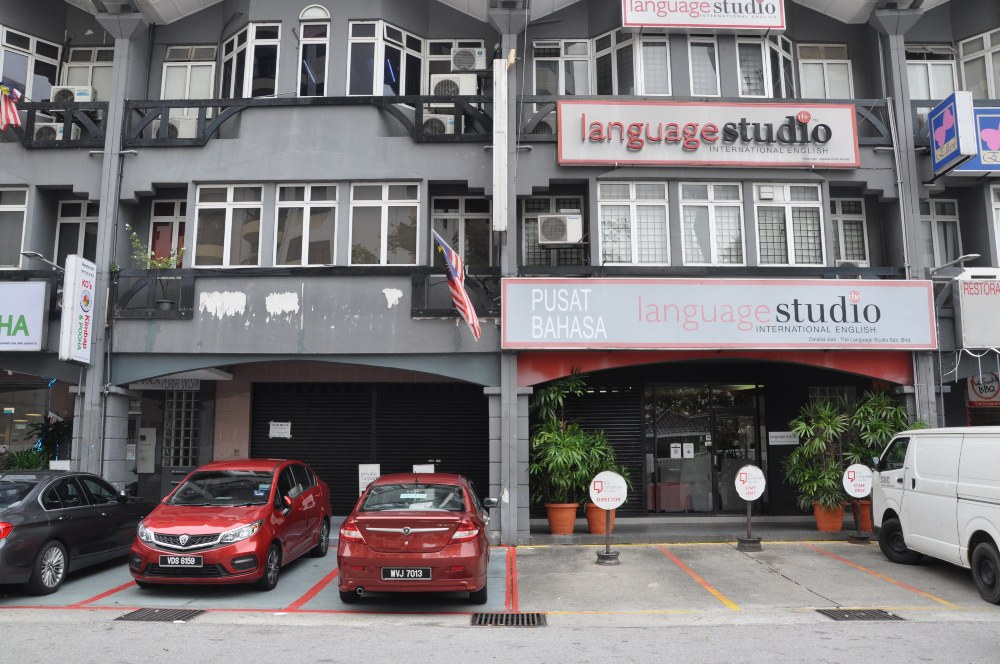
<point>6,529</point>
<point>351,533</point>
<point>466,532</point>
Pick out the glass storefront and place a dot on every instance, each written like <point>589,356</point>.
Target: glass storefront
<point>21,407</point>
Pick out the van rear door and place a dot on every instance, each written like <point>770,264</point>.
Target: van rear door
<point>930,485</point>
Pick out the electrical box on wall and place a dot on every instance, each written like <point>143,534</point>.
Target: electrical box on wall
<point>976,294</point>
<point>145,451</point>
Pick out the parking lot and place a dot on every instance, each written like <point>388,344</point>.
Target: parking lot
<point>681,581</point>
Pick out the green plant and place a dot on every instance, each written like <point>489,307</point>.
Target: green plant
<point>815,467</point>
<point>144,258</point>
<point>30,459</point>
<point>51,436</point>
<point>873,422</point>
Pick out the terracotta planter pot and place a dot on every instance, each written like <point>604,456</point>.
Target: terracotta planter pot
<point>862,515</point>
<point>828,520</point>
<point>596,519</point>
<point>562,517</point>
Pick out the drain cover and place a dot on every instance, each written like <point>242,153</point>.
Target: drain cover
<point>859,614</point>
<point>508,620</point>
<point>161,615</point>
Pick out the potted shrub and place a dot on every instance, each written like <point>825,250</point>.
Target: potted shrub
<point>815,467</point>
<point>602,458</point>
<point>143,258</point>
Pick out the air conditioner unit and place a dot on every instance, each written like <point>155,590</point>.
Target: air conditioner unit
<point>73,93</point>
<point>468,59</point>
<point>180,127</point>
<point>560,229</point>
<point>439,123</point>
<point>451,85</point>
<point>547,125</point>
<point>846,263</point>
<point>53,131</point>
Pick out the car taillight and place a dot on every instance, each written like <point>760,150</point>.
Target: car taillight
<point>5,529</point>
<point>350,532</point>
<point>466,532</point>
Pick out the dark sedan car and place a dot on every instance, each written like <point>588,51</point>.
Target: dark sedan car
<point>53,522</point>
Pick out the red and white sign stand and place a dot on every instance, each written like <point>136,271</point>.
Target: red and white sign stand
<point>857,482</point>
<point>750,484</point>
<point>608,491</point>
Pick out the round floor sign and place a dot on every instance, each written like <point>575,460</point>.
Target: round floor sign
<point>750,482</point>
<point>858,480</point>
<point>608,490</point>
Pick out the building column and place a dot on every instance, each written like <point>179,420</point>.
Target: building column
<point>509,446</point>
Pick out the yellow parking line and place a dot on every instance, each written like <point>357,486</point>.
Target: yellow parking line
<point>731,605</point>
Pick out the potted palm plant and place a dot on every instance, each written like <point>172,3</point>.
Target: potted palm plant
<point>815,467</point>
<point>145,259</point>
<point>601,458</point>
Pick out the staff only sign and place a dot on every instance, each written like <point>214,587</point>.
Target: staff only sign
<point>719,14</point>
<point>718,313</point>
<point>707,134</point>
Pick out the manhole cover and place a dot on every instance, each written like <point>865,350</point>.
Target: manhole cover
<point>859,614</point>
<point>508,620</point>
<point>161,615</point>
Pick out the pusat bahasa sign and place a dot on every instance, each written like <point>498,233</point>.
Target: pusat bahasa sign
<point>742,15</point>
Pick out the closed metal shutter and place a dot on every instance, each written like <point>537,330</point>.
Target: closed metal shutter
<point>336,426</point>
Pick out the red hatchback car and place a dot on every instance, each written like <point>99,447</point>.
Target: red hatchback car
<point>415,533</point>
<point>234,521</point>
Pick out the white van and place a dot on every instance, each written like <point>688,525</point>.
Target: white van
<point>937,492</point>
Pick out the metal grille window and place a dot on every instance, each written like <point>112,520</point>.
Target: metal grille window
<point>466,225</point>
<point>789,224</point>
<point>939,223</point>
<point>535,254</point>
<point>825,71</point>
<point>713,223</point>
<point>750,54</point>
<point>634,223</point>
<point>981,65</point>
<point>77,232</point>
<point>227,226</point>
<point>850,232</point>
<point>306,224</point>
<point>384,223</point>
<point>13,205</point>
<point>180,428</point>
<point>704,59</point>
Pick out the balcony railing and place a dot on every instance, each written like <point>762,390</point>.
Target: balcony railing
<point>60,125</point>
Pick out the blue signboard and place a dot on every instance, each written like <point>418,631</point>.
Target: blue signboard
<point>986,122</point>
<point>952,139</point>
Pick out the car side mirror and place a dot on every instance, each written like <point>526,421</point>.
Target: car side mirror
<point>490,502</point>
<point>287,501</point>
<point>874,462</point>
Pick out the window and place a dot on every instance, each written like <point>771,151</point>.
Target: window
<point>704,60</point>
<point>314,44</point>
<point>850,232</point>
<point>713,223</point>
<point>384,60</point>
<point>29,64</point>
<point>69,494</point>
<point>750,55</point>
<point>100,491</point>
<point>167,229</point>
<point>930,72</point>
<point>825,71</point>
<point>939,222</point>
<point>384,223</point>
<point>188,73</point>
<point>90,67</point>
<point>535,254</point>
<point>227,226</point>
<point>633,219</point>
<point>765,67</point>
<point>250,62</point>
<point>779,49</point>
<point>77,230</point>
<point>624,65</point>
<point>466,225</point>
<point>980,65</point>
<point>306,224</point>
<point>894,457</point>
<point>180,428</point>
<point>789,224</point>
<point>13,205</point>
<point>562,67</point>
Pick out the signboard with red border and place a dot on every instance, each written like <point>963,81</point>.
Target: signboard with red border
<point>984,390</point>
<point>742,15</point>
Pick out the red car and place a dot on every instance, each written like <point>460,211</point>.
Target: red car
<point>234,521</point>
<point>415,533</point>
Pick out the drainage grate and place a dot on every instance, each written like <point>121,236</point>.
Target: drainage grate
<point>508,620</point>
<point>161,615</point>
<point>859,614</point>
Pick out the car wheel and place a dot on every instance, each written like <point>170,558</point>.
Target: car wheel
<point>986,571</point>
<point>323,545</point>
<point>890,540</point>
<point>272,569</point>
<point>479,596</point>
<point>50,569</point>
<point>348,597</point>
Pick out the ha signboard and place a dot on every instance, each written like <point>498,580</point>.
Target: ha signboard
<point>741,15</point>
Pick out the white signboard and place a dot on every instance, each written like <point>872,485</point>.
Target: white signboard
<point>367,473</point>
<point>984,390</point>
<point>718,313</point>
<point>649,133</point>
<point>742,15</point>
<point>688,450</point>
<point>76,328</point>
<point>976,293</point>
<point>782,438</point>
<point>166,384</point>
<point>675,450</point>
<point>279,430</point>
<point>608,490</point>
<point>423,467</point>
<point>22,315</point>
<point>858,480</point>
<point>750,482</point>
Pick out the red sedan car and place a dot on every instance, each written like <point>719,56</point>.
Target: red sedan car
<point>235,521</point>
<point>415,533</point>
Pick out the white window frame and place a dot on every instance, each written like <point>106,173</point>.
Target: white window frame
<point>197,57</point>
<point>932,218</point>
<point>564,57</point>
<point>702,40</point>
<point>838,219</point>
<point>314,16</point>
<point>385,204</point>
<point>23,209</point>
<point>532,253</point>
<point>826,63</point>
<point>245,41</point>
<point>33,58</point>
<point>989,52</point>
<point>618,41</point>
<point>765,70</point>
<point>177,219</point>
<point>712,203</point>
<point>229,205</point>
<point>782,197</point>
<point>633,203</point>
<point>88,216</point>
<point>306,206</point>
<point>85,60</point>
<point>462,216</point>
<point>780,52</point>
<point>381,39</point>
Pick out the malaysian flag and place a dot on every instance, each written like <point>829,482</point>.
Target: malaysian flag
<point>8,110</point>
<point>456,282</point>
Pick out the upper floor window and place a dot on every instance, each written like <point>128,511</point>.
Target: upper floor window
<point>789,224</point>
<point>77,230</point>
<point>167,229</point>
<point>306,225</point>
<point>90,67</point>
<point>779,50</point>
<point>562,67</point>
<point>227,225</point>
<point>850,232</point>
<point>930,73</point>
<point>713,223</point>
<point>633,218</point>
<point>939,222</point>
<point>13,206</point>
<point>466,225</point>
<point>825,71</point>
<point>314,45</point>
<point>383,60</point>
<point>532,251</point>
<point>703,54</point>
<point>625,65</point>
<point>28,63</point>
<point>250,62</point>
<point>981,65</point>
<point>765,67</point>
<point>188,73</point>
<point>384,223</point>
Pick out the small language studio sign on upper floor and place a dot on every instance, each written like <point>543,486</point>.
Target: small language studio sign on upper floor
<point>681,15</point>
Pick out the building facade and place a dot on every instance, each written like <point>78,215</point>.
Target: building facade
<point>716,210</point>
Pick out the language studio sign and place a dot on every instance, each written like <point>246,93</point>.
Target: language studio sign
<point>719,14</point>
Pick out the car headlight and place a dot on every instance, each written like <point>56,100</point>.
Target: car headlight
<point>241,533</point>
<point>145,534</point>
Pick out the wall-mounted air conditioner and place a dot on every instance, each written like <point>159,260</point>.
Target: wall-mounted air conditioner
<point>180,127</point>
<point>53,131</point>
<point>451,85</point>
<point>439,123</point>
<point>847,263</point>
<point>73,93</point>
<point>560,229</point>
<point>468,59</point>
<point>547,125</point>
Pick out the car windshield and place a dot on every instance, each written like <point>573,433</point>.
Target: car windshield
<point>224,487</point>
<point>14,489</point>
<point>417,496</point>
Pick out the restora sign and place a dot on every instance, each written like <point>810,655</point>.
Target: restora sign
<point>803,135</point>
<point>714,314</point>
<point>719,14</point>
